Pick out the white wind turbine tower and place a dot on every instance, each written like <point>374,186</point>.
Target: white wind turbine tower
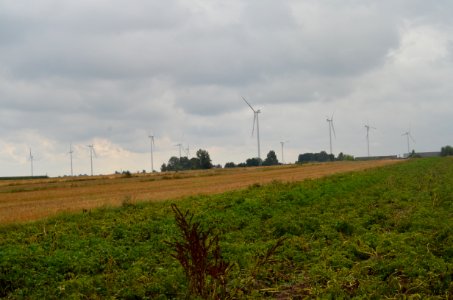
<point>408,136</point>
<point>70,155</point>
<point>255,120</point>
<point>331,128</point>
<point>368,127</point>
<point>180,146</point>
<point>31,163</point>
<point>151,140</point>
<point>283,143</point>
<point>91,156</point>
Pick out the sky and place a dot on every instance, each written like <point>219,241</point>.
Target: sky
<point>111,73</point>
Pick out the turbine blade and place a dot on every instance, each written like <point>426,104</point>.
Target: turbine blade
<point>248,104</point>
<point>411,137</point>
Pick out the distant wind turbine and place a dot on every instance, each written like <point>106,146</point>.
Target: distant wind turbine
<point>255,120</point>
<point>91,156</point>
<point>151,140</point>
<point>31,163</point>
<point>187,150</point>
<point>368,127</point>
<point>283,143</point>
<point>408,136</point>
<point>331,128</point>
<point>70,155</point>
<point>179,146</point>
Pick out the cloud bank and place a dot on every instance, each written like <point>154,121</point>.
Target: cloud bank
<point>110,73</point>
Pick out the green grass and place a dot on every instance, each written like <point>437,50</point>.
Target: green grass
<point>385,232</point>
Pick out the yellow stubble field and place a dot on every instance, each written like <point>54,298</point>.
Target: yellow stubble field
<point>27,200</point>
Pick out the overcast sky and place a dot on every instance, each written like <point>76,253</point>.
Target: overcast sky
<point>109,73</point>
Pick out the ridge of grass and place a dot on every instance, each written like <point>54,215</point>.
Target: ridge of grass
<point>385,232</point>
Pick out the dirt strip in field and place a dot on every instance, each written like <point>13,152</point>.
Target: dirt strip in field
<point>27,200</point>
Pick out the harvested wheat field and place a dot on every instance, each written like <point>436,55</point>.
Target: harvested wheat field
<point>27,200</point>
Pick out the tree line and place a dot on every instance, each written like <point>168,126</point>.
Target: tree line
<point>322,157</point>
<point>202,160</point>
<point>270,160</point>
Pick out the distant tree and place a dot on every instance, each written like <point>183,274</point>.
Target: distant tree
<point>342,157</point>
<point>315,157</point>
<point>185,163</point>
<point>230,165</point>
<point>348,157</point>
<point>271,159</point>
<point>201,161</point>
<point>194,163</point>
<point>174,164</point>
<point>241,165</point>
<point>205,160</point>
<point>446,151</point>
<point>306,157</point>
<point>253,162</point>
<point>323,156</point>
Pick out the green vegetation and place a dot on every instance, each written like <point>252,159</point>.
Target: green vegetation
<point>270,160</point>
<point>322,157</point>
<point>446,151</point>
<point>201,161</point>
<point>315,157</point>
<point>385,232</point>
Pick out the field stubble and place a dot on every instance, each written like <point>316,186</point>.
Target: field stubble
<point>28,200</point>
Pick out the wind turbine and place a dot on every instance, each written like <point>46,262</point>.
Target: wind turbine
<point>151,140</point>
<point>408,136</point>
<point>70,155</point>
<point>31,163</point>
<point>283,143</point>
<point>179,145</point>
<point>91,156</point>
<point>331,128</point>
<point>368,127</point>
<point>255,120</point>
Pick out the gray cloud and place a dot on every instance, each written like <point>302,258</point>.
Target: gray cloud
<point>115,71</point>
